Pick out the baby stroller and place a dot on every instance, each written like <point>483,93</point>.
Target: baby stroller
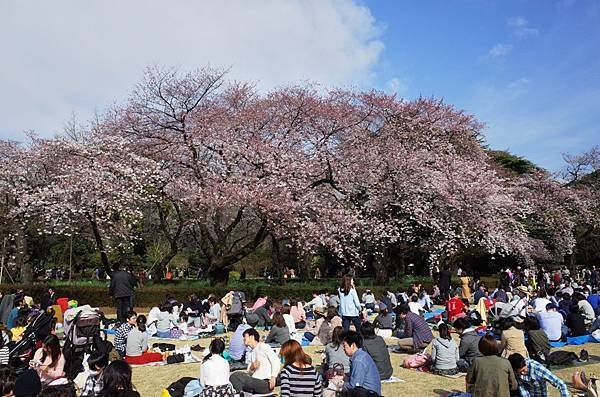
<point>82,335</point>
<point>22,352</point>
<point>237,310</point>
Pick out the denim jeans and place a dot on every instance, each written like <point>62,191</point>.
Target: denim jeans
<point>346,320</point>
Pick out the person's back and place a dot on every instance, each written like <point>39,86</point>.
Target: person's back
<point>576,324</point>
<point>551,323</point>
<point>137,343</point>
<point>384,321</point>
<point>537,344</point>
<point>380,354</point>
<point>237,348</point>
<point>467,348</point>
<point>444,355</point>
<point>513,341</point>
<point>121,284</point>
<point>278,335</point>
<point>334,354</point>
<point>215,371</point>
<point>490,376</point>
<point>300,382</point>
<point>164,320</point>
<point>263,316</point>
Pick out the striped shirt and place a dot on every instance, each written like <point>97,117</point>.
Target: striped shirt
<point>4,355</point>
<point>300,382</point>
<point>417,329</point>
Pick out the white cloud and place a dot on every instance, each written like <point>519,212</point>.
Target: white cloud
<point>500,50</point>
<point>520,27</point>
<point>70,56</point>
<point>397,86</point>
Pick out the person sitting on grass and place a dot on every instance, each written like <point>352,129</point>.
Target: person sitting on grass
<point>364,378</point>
<point>417,334</point>
<point>298,377</point>
<point>468,348</point>
<point>136,351</point>
<point>537,342</point>
<point>289,320</point>
<point>123,331</point>
<point>533,377</point>
<point>279,333</point>
<point>263,367</point>
<point>165,321</point>
<point>377,349</point>
<point>512,339</point>
<point>237,348</point>
<point>576,322</point>
<point>455,307</point>
<point>214,313</point>
<point>334,352</point>
<point>444,353</point>
<point>117,380</point>
<point>415,306</point>
<point>298,314</point>
<point>384,322</point>
<point>214,372</point>
<point>260,317</point>
<point>490,375</point>
<point>48,361</point>
<point>94,382</point>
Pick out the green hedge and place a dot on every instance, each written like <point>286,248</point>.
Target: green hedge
<point>95,293</point>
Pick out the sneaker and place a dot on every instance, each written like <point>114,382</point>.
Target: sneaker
<point>197,348</point>
<point>584,356</point>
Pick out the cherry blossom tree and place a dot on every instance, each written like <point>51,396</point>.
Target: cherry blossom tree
<point>98,183</point>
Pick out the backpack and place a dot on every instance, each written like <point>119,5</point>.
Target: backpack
<point>561,357</point>
<point>177,388</point>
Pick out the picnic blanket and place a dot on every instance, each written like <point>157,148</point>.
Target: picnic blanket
<point>435,312</point>
<point>189,359</point>
<point>575,340</point>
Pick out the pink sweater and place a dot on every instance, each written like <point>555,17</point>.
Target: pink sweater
<point>50,373</point>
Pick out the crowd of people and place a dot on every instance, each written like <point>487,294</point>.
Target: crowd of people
<point>501,343</point>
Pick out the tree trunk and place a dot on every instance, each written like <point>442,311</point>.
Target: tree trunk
<point>218,276</point>
<point>100,245</point>
<point>160,268</point>
<point>381,264</point>
<point>22,257</point>
<point>304,266</point>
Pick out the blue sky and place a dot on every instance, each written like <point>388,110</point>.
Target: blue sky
<point>529,69</point>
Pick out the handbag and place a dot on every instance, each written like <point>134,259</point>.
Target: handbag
<point>416,360</point>
<point>336,369</point>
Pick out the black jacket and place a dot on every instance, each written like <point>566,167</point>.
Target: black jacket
<point>122,284</point>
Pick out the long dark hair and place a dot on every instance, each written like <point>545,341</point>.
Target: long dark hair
<point>52,343</point>
<point>444,331</point>
<point>346,284</point>
<point>141,322</point>
<point>117,378</point>
<point>217,346</point>
<point>336,336</point>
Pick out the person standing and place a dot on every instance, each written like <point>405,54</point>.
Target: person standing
<point>122,286</point>
<point>349,304</point>
<point>465,288</point>
<point>444,281</point>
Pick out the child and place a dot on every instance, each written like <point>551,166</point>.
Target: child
<point>94,383</point>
